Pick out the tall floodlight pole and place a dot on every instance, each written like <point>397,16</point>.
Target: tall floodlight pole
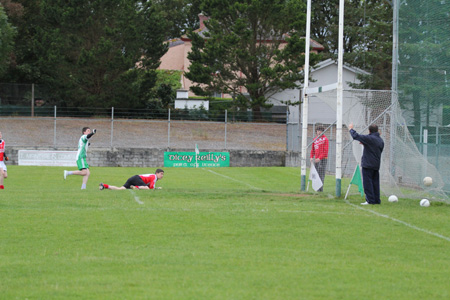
<point>339,100</point>
<point>305,97</point>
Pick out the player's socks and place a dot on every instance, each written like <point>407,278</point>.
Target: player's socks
<point>83,186</point>
<point>67,173</point>
<point>2,187</point>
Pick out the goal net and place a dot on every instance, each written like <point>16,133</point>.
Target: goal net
<point>403,167</point>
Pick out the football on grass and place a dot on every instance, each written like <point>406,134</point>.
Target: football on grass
<point>427,181</point>
<point>393,198</point>
<point>424,202</point>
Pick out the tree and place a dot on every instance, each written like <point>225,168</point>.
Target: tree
<point>255,44</point>
<point>367,37</point>
<point>26,18</point>
<point>114,37</point>
<point>83,51</point>
<point>167,82</point>
<point>180,15</point>
<point>424,57</point>
<point>7,33</point>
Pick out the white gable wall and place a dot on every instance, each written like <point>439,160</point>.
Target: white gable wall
<point>324,73</point>
<point>328,75</point>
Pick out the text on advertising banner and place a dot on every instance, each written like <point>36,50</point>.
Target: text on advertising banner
<point>200,160</point>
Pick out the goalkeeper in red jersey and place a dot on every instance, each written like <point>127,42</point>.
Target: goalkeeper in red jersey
<point>319,154</point>
<point>141,182</point>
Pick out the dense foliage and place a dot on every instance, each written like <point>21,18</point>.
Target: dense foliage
<point>424,59</point>
<point>179,15</point>
<point>87,52</point>
<point>7,33</point>
<point>257,45</point>
<point>105,52</point>
<point>367,37</point>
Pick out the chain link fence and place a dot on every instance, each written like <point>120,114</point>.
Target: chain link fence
<point>143,129</point>
<point>28,118</point>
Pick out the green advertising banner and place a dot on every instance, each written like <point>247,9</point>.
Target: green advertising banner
<point>200,160</point>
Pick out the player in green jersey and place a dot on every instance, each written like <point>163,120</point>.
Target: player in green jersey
<point>83,167</point>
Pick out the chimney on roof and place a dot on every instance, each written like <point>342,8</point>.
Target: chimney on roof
<point>202,19</point>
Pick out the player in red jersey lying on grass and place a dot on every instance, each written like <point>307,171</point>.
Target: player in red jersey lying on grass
<point>141,182</point>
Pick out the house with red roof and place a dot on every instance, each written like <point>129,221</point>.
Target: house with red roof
<point>176,57</point>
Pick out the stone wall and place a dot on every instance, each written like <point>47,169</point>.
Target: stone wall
<point>138,157</point>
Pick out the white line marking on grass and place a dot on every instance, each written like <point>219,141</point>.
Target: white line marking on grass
<point>136,198</point>
<point>230,178</point>
<point>314,212</point>
<point>400,221</point>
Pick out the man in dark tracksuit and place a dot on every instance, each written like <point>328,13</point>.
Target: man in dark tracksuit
<point>370,162</point>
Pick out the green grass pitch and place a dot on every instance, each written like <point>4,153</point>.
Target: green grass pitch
<point>223,233</point>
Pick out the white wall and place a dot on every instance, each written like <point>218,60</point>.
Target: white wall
<point>324,74</point>
<point>190,104</point>
<point>319,112</point>
<point>328,75</point>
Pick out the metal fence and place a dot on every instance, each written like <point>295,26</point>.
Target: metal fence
<point>56,127</point>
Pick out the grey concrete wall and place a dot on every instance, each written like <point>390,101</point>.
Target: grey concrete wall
<point>138,157</point>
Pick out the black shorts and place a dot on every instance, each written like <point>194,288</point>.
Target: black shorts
<point>134,180</point>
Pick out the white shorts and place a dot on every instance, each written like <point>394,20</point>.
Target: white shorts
<point>3,166</point>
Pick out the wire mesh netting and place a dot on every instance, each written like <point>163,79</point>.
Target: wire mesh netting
<point>423,78</point>
<point>403,166</point>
